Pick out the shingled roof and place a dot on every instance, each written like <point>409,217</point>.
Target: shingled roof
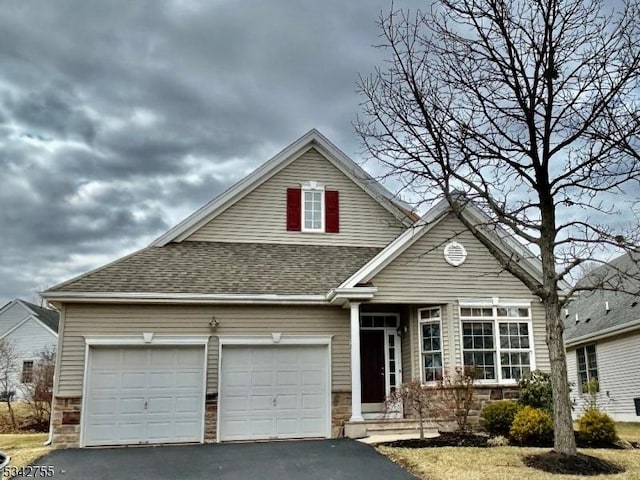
<point>624,304</point>
<point>226,268</point>
<point>50,318</point>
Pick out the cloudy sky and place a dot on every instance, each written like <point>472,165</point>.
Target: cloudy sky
<point>119,118</point>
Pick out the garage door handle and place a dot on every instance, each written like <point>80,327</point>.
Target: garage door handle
<point>146,404</point>
<point>275,401</point>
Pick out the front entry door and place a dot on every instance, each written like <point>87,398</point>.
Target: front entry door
<point>372,366</point>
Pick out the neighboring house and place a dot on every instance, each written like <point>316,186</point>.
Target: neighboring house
<point>602,338</point>
<point>287,307</point>
<point>30,329</point>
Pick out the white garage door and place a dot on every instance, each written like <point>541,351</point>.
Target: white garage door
<point>274,392</point>
<point>146,395</point>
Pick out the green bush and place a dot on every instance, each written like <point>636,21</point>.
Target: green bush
<point>498,416</point>
<point>532,426</point>
<point>536,390</point>
<point>596,426</point>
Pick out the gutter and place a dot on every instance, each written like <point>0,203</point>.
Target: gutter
<point>158,297</point>
<point>605,333</point>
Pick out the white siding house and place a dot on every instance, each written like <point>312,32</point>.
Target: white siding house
<point>29,329</point>
<point>602,338</point>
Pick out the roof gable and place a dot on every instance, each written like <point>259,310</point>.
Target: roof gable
<point>18,311</point>
<point>498,237</point>
<point>431,218</point>
<point>312,139</point>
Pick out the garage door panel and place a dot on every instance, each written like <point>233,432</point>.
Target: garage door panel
<point>134,357</point>
<point>144,402</point>
<point>252,377</point>
<point>133,380</point>
<point>288,378</point>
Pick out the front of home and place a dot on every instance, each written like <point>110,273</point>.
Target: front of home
<point>288,307</point>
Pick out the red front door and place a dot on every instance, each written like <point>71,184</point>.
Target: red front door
<point>372,366</point>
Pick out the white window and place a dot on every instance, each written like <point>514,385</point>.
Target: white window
<point>430,322</point>
<point>587,366</point>
<point>497,341</point>
<point>312,207</point>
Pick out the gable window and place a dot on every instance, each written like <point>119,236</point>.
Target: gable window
<point>587,366</point>
<point>497,341</point>
<point>313,208</point>
<point>431,343</point>
<point>27,371</point>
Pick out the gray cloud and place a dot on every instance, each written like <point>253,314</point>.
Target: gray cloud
<point>118,118</point>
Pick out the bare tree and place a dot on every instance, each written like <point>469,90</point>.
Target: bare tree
<point>38,393</point>
<point>415,398</point>
<point>8,371</point>
<point>530,109</point>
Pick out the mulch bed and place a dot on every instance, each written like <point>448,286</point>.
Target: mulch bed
<point>445,439</point>
<point>554,462</point>
<point>456,439</point>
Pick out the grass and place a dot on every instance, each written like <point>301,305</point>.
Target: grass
<point>24,448</point>
<point>628,431</point>
<point>506,462</point>
<point>21,412</point>
<point>499,463</point>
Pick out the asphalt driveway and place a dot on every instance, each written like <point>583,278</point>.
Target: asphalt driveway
<point>306,460</point>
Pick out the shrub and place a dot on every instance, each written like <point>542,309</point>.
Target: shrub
<point>455,395</point>
<point>597,427</point>
<point>536,390</point>
<point>498,416</point>
<point>532,426</point>
<point>498,441</point>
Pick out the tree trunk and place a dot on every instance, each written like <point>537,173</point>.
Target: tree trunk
<point>12,415</point>
<point>564,439</point>
<point>421,418</point>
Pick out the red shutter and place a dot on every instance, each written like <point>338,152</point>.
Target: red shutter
<point>294,211</point>
<point>332,211</point>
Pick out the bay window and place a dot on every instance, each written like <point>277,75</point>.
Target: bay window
<point>497,341</point>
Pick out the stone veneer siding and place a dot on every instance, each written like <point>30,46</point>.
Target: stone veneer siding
<point>66,418</point>
<point>65,421</point>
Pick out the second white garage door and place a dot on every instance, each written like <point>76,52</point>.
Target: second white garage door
<point>140,395</point>
<point>269,392</point>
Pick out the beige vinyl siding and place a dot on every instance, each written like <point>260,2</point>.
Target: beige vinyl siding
<point>405,345</point>
<point>87,319</point>
<point>618,373</point>
<point>261,215</point>
<point>421,276</point>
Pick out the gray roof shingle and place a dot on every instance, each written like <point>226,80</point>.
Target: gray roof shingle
<point>226,268</point>
<point>624,306</point>
<point>49,317</point>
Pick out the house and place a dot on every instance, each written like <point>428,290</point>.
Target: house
<point>30,329</point>
<point>287,307</point>
<point>602,338</point>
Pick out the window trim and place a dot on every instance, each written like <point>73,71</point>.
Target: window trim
<point>312,187</point>
<point>420,342</point>
<point>586,364</point>
<point>494,305</point>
